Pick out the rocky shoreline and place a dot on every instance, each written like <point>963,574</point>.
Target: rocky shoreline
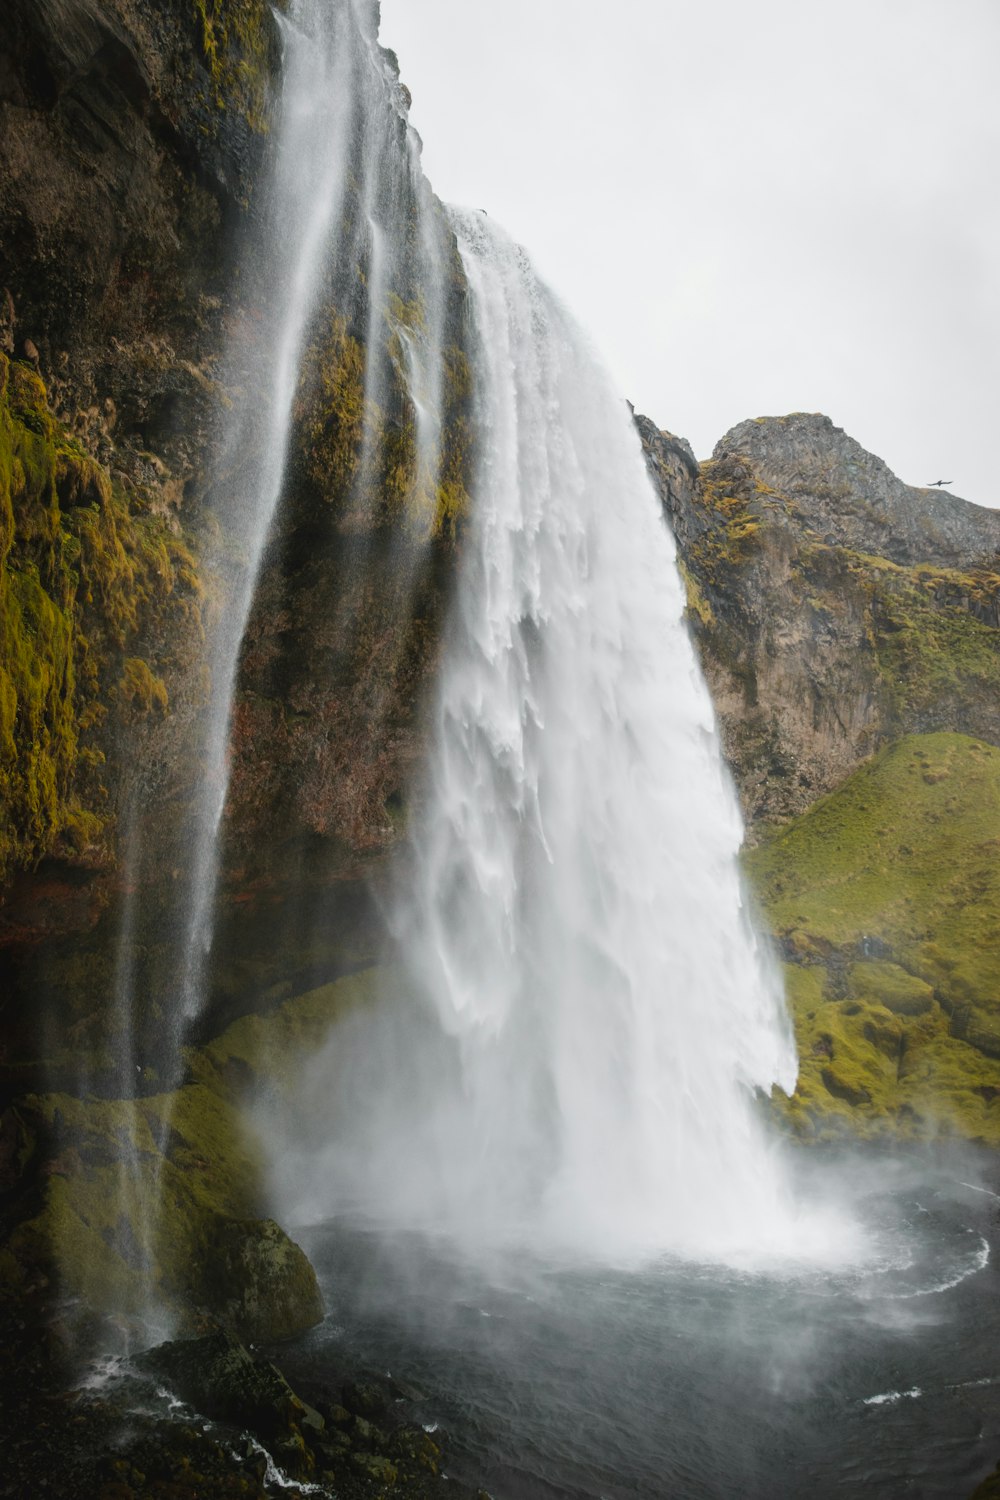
<point>201,1417</point>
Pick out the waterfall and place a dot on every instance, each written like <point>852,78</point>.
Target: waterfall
<point>346,219</point>
<point>336,138</point>
<point>578,1012</point>
<point>344,176</point>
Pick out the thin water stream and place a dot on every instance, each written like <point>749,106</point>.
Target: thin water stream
<point>344,205</point>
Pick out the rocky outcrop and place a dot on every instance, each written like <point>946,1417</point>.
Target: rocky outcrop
<point>852,499</point>
<point>341,646</point>
<point>118,1204</point>
<point>834,608</point>
<point>131,136</point>
<point>268,1434</point>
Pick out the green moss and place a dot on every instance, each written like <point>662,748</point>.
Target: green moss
<point>337,416</point>
<point>141,1197</point>
<point>268,1051</point>
<point>889,985</point>
<point>359,442</point>
<point>888,894</point>
<point>85,573</point>
<point>140,686</point>
<point>453,506</point>
<point>698,607</point>
<point>137,1194</point>
<point>238,44</point>
<point>930,646</point>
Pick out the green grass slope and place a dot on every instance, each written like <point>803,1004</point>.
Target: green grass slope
<point>885,901</point>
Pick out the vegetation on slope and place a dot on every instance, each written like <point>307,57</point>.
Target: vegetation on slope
<point>239,44</point>
<point>86,574</point>
<point>885,901</point>
<point>158,1199</point>
<point>818,649</point>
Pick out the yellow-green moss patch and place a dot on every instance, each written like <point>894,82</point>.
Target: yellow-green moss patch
<point>239,46</point>
<point>887,894</point>
<point>268,1052</point>
<point>86,575</point>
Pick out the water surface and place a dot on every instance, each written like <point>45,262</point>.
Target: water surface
<point>683,1379</point>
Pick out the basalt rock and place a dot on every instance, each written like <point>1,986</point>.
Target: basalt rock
<point>218,1376</point>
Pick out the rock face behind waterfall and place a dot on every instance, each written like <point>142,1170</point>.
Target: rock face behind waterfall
<point>135,137</point>
<point>849,627</point>
<point>134,142</point>
<point>131,137</point>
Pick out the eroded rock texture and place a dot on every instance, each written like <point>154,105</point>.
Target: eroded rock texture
<point>834,607</point>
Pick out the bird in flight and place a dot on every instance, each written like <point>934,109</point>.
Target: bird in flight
<point>936,484</point>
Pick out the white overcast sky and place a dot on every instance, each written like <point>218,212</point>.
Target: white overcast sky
<point>754,208</point>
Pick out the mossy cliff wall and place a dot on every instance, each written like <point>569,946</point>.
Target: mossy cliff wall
<point>135,136</point>
<point>98,594</point>
<point>836,612</point>
<point>340,648</point>
<point>885,902</point>
<point>849,628</point>
<point>131,137</point>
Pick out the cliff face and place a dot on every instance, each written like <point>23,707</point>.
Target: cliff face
<point>835,608</point>
<point>849,628</point>
<point>340,648</point>
<point>130,139</point>
<point>836,612</point>
<point>135,141</point>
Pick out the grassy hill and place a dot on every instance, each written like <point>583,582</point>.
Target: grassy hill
<point>884,899</point>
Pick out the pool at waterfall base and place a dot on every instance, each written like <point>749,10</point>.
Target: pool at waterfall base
<point>680,1379</point>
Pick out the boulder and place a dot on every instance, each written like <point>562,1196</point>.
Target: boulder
<point>220,1377</point>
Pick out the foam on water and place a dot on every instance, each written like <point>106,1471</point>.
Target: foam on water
<point>889,1398</point>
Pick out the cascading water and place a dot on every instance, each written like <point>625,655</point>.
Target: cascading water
<point>337,136</point>
<point>580,1011</point>
<point>310,179</point>
<point>345,174</point>
<point>575,1013</point>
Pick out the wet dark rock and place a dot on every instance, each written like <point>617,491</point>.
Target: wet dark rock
<point>220,1377</point>
<point>369,1398</point>
<point>261,1284</point>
